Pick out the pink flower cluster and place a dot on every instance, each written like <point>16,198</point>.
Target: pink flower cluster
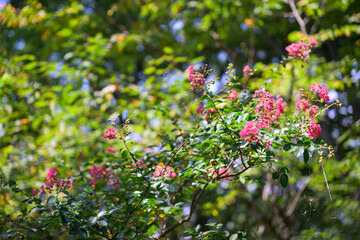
<point>247,71</point>
<point>110,133</point>
<point>250,132</point>
<point>103,174</point>
<point>53,182</point>
<point>314,129</point>
<point>268,108</point>
<point>232,95</point>
<point>223,172</point>
<point>140,164</point>
<point>112,150</point>
<point>196,79</point>
<point>301,50</point>
<point>160,171</point>
<point>200,110</point>
<point>303,104</point>
<point>322,91</point>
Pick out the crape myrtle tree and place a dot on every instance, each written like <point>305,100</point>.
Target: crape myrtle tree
<point>68,66</point>
<point>139,193</point>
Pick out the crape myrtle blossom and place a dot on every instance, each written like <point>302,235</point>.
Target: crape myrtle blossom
<point>110,133</point>
<point>197,80</point>
<point>52,182</point>
<point>301,50</point>
<point>269,109</point>
<point>250,132</point>
<point>112,150</point>
<point>312,42</point>
<point>247,71</point>
<point>322,91</point>
<point>200,109</point>
<point>160,171</point>
<point>222,173</point>
<point>232,94</point>
<point>103,174</point>
<point>313,111</point>
<point>140,164</point>
<point>303,104</point>
<point>314,129</point>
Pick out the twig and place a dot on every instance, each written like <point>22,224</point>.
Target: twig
<point>178,149</point>
<point>297,16</point>
<point>194,202</point>
<point>317,20</point>
<point>297,196</point>
<point>326,181</point>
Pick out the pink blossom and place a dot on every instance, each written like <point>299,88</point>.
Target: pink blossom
<point>312,41</point>
<point>322,91</point>
<point>103,174</point>
<point>53,181</point>
<point>222,172</point>
<point>246,71</point>
<point>109,133</point>
<point>112,150</point>
<point>170,172</point>
<point>313,111</point>
<point>250,132</point>
<point>314,129</point>
<point>268,108</point>
<point>268,143</point>
<point>232,95</point>
<point>208,114</point>
<point>140,164</point>
<point>303,104</point>
<point>81,156</point>
<point>197,80</point>
<point>298,51</point>
<point>159,171</point>
<point>200,109</point>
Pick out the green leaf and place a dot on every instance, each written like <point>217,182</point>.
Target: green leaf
<point>298,151</point>
<point>259,180</point>
<point>284,180</point>
<point>50,200</point>
<point>287,147</point>
<point>42,196</point>
<point>203,97</point>
<point>102,223</point>
<point>12,183</point>
<point>306,155</point>
<point>234,236</point>
<point>124,154</point>
<point>83,233</point>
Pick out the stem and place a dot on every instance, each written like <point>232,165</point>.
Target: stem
<point>326,181</point>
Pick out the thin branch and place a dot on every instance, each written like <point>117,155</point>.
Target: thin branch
<point>297,196</point>
<point>326,181</point>
<point>317,20</point>
<point>178,149</point>
<point>194,202</point>
<point>297,16</point>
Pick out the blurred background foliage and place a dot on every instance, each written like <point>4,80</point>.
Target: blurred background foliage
<point>66,67</point>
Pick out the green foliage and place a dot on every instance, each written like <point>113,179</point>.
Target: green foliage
<point>66,67</point>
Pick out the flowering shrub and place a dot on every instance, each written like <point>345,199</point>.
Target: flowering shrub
<point>142,194</point>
